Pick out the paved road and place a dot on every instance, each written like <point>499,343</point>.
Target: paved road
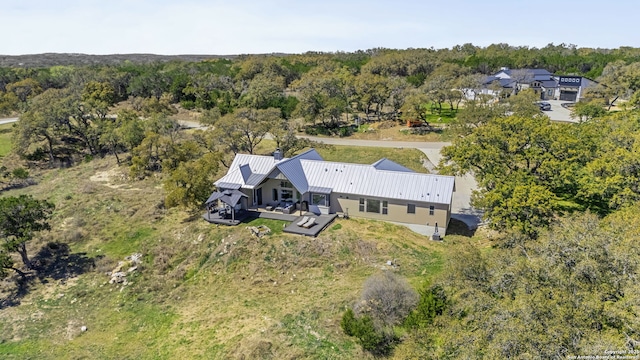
<point>558,113</point>
<point>8,120</point>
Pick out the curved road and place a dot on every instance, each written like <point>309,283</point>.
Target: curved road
<point>8,121</point>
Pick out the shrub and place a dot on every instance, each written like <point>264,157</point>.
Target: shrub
<point>188,104</point>
<point>345,131</point>
<point>433,302</point>
<point>385,302</point>
<point>349,323</point>
<point>376,341</point>
<point>20,173</point>
<point>387,298</point>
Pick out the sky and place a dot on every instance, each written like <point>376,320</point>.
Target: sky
<point>216,27</point>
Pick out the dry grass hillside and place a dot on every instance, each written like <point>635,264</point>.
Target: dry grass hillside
<point>200,291</point>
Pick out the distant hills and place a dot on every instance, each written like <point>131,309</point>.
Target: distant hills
<point>53,59</point>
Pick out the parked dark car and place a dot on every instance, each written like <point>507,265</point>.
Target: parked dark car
<point>544,106</point>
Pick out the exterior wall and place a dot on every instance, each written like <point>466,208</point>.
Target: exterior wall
<point>267,191</point>
<point>545,93</point>
<point>584,84</point>
<point>248,202</point>
<point>397,210</point>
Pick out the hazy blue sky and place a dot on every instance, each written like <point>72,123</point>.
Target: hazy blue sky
<point>244,26</point>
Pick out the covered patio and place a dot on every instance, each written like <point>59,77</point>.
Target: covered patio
<point>231,212</point>
<point>246,215</point>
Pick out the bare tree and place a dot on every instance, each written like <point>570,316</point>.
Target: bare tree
<point>387,299</point>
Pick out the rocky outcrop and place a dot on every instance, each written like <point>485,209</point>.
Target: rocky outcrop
<point>128,266</point>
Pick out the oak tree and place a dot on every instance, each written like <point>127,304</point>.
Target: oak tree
<point>21,218</point>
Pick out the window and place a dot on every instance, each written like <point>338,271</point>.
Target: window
<point>411,208</point>
<point>549,92</point>
<point>286,194</point>
<point>319,199</point>
<point>385,211</point>
<point>361,208</point>
<point>373,206</point>
<point>432,210</point>
<point>274,194</point>
<point>286,184</point>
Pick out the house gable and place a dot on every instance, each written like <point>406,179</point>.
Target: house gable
<point>386,164</point>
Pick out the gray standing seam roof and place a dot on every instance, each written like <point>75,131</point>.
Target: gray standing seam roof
<point>384,179</point>
<point>549,83</point>
<point>366,180</point>
<point>229,197</point>
<point>320,189</point>
<point>224,185</point>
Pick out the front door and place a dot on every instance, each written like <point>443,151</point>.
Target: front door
<point>259,196</point>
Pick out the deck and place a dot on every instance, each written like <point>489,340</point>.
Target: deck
<point>322,221</point>
<point>246,215</point>
<point>239,217</point>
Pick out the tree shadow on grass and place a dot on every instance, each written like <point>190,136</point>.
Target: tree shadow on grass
<point>54,262</point>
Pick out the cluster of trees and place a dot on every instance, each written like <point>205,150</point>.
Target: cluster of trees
<point>530,170</point>
<point>377,83</point>
<point>571,292</point>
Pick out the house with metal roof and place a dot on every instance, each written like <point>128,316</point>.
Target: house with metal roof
<point>549,86</point>
<point>306,183</point>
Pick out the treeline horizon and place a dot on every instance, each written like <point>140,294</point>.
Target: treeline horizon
<point>486,59</point>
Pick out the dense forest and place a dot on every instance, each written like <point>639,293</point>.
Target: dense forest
<point>561,275</point>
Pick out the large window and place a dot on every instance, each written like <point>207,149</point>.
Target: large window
<point>286,194</point>
<point>411,208</point>
<point>286,184</point>
<point>274,194</point>
<point>373,206</point>
<point>319,199</point>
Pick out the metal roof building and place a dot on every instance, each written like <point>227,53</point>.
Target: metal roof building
<point>367,180</point>
<point>307,171</point>
<point>384,190</point>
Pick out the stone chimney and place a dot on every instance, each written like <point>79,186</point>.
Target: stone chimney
<point>277,155</point>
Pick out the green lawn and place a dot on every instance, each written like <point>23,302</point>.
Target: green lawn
<point>5,138</point>
<point>410,158</point>
<point>444,117</point>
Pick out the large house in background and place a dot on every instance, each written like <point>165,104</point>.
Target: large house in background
<point>564,87</point>
<point>383,190</point>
